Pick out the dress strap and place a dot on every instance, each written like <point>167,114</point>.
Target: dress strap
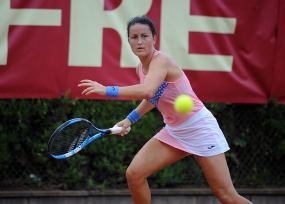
<point>156,52</point>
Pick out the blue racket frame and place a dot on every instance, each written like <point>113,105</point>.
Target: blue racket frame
<point>88,140</point>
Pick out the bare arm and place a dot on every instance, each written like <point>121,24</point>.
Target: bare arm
<point>142,109</point>
<point>157,73</point>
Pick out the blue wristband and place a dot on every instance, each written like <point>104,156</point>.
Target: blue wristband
<point>112,91</point>
<point>134,116</point>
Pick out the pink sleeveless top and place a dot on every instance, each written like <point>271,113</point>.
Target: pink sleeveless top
<point>166,94</point>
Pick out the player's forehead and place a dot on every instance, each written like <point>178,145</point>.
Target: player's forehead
<point>139,28</point>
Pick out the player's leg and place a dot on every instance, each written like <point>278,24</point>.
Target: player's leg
<point>218,176</point>
<point>153,156</point>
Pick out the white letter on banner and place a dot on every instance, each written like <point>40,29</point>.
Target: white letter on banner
<point>176,23</point>
<point>88,19</point>
<point>37,17</point>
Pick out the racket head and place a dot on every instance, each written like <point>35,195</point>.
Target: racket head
<point>70,137</point>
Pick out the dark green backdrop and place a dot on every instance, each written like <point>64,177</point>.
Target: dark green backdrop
<point>256,135</point>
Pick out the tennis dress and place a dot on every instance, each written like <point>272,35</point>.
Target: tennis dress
<point>197,132</point>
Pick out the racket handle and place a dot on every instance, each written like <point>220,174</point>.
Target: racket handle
<point>116,129</point>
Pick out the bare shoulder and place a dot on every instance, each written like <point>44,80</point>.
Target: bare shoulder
<point>164,56</point>
<point>164,59</point>
<point>174,72</point>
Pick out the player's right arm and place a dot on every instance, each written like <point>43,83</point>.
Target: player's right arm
<point>142,109</point>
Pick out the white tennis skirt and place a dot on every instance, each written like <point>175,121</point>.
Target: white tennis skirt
<point>199,135</point>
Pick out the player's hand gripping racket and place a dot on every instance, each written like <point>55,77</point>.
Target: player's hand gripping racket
<point>75,134</point>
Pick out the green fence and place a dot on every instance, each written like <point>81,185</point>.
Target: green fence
<point>255,133</point>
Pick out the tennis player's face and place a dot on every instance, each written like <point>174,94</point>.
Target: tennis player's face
<point>141,40</point>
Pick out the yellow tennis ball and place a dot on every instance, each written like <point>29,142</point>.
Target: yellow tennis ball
<point>183,104</point>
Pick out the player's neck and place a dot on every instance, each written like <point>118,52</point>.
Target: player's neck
<point>146,61</point>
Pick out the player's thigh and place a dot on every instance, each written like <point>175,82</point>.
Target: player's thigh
<point>217,173</point>
<point>153,156</point>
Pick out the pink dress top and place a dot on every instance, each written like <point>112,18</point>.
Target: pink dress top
<point>166,94</point>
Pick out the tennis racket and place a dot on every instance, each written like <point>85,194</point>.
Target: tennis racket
<point>75,134</point>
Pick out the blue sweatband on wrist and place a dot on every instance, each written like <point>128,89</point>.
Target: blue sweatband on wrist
<point>134,116</point>
<point>112,91</point>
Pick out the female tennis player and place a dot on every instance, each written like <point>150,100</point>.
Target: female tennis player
<point>196,133</point>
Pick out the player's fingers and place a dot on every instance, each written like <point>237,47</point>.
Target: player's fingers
<point>87,90</point>
<point>125,129</point>
<point>122,133</point>
<point>86,81</point>
<point>90,92</point>
<point>120,125</point>
<point>83,84</point>
<point>86,84</point>
<point>84,91</point>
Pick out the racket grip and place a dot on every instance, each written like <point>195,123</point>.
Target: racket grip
<point>116,129</point>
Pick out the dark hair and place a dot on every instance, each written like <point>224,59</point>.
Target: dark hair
<point>142,20</point>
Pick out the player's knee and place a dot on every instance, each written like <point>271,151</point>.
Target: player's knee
<point>132,174</point>
<point>227,196</point>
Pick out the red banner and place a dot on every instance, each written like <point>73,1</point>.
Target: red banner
<point>232,51</point>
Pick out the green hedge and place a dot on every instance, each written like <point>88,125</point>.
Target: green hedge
<point>26,125</point>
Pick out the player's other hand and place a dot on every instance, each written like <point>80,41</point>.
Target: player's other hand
<point>92,87</point>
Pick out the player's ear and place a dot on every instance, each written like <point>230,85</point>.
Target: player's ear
<point>154,40</point>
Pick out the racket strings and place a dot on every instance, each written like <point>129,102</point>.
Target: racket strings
<point>70,137</point>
